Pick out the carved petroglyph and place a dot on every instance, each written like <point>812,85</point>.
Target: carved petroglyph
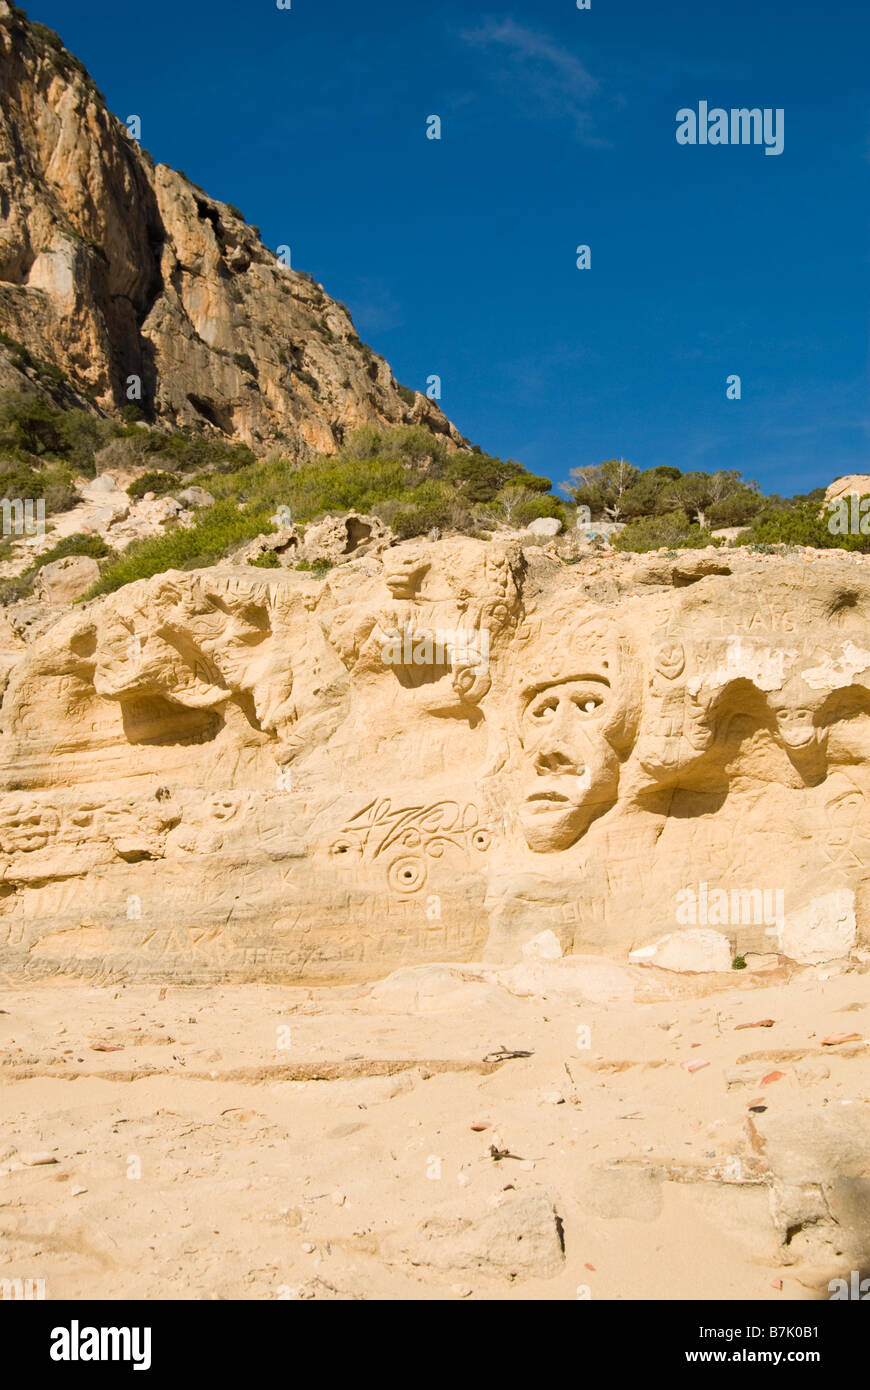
<point>406,839</point>
<point>233,754</point>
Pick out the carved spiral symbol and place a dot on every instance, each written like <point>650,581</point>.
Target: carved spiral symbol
<point>346,849</point>
<point>406,875</point>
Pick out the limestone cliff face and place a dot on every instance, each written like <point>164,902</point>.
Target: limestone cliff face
<point>436,754</point>
<point>112,267</point>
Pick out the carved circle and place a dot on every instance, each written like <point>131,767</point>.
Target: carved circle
<point>406,875</point>
<point>344,850</point>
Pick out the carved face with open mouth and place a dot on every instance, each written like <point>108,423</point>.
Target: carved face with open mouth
<point>572,772</point>
<point>404,571</point>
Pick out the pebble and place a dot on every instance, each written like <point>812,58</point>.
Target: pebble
<point>308,1248</point>
<point>37,1160</point>
<point>694,1066</point>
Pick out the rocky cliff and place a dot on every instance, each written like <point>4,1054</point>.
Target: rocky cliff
<point>437,754</point>
<point>113,267</point>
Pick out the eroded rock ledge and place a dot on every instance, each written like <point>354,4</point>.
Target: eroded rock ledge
<point>438,753</point>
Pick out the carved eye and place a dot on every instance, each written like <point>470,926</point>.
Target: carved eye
<point>545,709</point>
<point>588,704</point>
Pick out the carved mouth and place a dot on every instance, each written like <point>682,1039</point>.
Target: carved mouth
<point>547,796</point>
<point>799,740</point>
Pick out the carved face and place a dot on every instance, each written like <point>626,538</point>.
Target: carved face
<point>572,770</point>
<point>796,726</point>
<point>404,571</point>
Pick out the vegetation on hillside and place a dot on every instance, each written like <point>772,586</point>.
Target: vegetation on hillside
<point>618,491</point>
<point>406,476</point>
<point>43,448</point>
<point>21,585</point>
<point>663,507</point>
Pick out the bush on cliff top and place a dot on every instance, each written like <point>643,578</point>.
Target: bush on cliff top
<point>406,476</point>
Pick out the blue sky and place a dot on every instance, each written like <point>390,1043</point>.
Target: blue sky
<point>457,257</point>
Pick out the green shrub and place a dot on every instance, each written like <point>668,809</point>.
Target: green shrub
<point>19,479</point>
<point>30,423</point>
<point>535,507</point>
<point>186,453</point>
<point>655,533</point>
<point>318,567</point>
<point>480,477</point>
<point>52,482</point>
<point>267,561</point>
<point>419,520</point>
<point>20,586</point>
<point>58,490</point>
<point>77,544</point>
<point>81,435</point>
<point>48,36</point>
<point>16,587</point>
<point>155,481</point>
<point>803,524</point>
<point>216,531</point>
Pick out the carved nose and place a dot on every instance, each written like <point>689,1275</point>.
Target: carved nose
<point>555,763</point>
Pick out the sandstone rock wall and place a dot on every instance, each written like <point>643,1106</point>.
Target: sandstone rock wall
<point>437,753</point>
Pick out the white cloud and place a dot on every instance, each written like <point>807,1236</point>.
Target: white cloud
<point>546,80</point>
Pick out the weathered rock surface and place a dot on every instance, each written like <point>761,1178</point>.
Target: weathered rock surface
<point>195,497</point>
<point>519,1238</point>
<point>115,268</point>
<point>695,950</point>
<point>545,526</point>
<point>859,483</point>
<point>439,753</point>
<point>822,930</point>
<point>62,581</point>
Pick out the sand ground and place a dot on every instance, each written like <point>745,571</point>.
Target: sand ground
<point>265,1142</point>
